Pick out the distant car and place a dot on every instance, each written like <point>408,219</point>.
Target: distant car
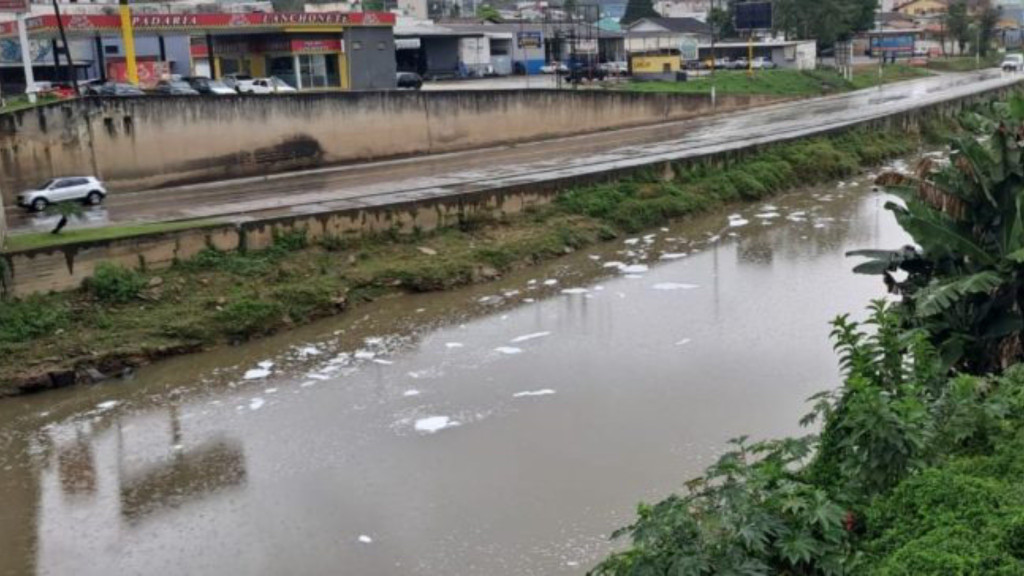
<point>81,188</point>
<point>210,87</point>
<point>585,72</point>
<point>554,68</point>
<point>272,85</point>
<point>408,81</point>
<point>175,88</point>
<point>1013,63</point>
<point>118,90</point>
<point>615,68</point>
<point>764,64</point>
<point>920,52</point>
<point>232,80</point>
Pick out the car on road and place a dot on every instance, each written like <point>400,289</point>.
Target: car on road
<point>207,86</point>
<point>408,81</point>
<point>585,72</point>
<point>175,88</point>
<point>86,189</point>
<point>1013,63</point>
<point>271,85</point>
<point>615,68</point>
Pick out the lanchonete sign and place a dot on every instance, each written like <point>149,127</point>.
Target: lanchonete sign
<point>198,22</point>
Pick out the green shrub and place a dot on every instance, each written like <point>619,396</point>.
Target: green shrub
<point>115,284</point>
<point>245,317</point>
<point>305,301</point>
<point>291,240</point>
<point>34,317</point>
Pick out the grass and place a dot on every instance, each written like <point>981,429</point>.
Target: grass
<point>963,63</point>
<point>782,82</point>
<point>45,239</point>
<point>220,297</point>
<point>15,103</point>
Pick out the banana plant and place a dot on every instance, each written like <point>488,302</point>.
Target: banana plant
<point>964,278</point>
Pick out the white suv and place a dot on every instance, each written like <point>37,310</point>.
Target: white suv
<point>84,188</point>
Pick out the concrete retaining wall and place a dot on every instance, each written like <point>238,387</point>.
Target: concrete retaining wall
<point>138,143</point>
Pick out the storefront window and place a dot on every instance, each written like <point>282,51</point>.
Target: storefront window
<point>319,70</point>
<point>284,68</point>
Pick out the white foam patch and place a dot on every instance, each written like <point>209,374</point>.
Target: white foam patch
<point>571,291</point>
<point>453,345</point>
<point>630,241</point>
<point>364,355</point>
<point>767,215</point>
<point>634,269</point>
<point>382,362</point>
<point>270,391</point>
<point>307,351</point>
<point>674,286</point>
<point>550,282</point>
<point>683,342</point>
<point>364,539</point>
<point>673,255</point>
<point>509,350</point>
<point>256,374</point>
<point>614,264</point>
<point>434,424</point>
<point>318,376</point>
<point>633,277</point>
<point>307,384</point>
<point>544,392</point>
<point>527,337</point>
<point>256,403</point>
<point>107,405</point>
<point>738,222</point>
<point>411,393</point>
<point>266,364</point>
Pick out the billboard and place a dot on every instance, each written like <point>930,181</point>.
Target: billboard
<point>896,44</point>
<point>14,5</point>
<point>754,16</point>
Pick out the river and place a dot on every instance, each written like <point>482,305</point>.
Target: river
<point>501,429</point>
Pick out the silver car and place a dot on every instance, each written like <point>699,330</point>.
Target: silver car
<point>71,188</point>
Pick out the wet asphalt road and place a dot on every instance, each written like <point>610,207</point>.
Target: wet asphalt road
<point>439,175</point>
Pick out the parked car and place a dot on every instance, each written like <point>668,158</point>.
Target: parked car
<point>554,68</point>
<point>117,90</point>
<point>81,188</point>
<point>615,68</point>
<point>761,63</point>
<point>232,80</point>
<point>272,85</point>
<point>1013,63</point>
<point>205,85</point>
<point>585,72</point>
<point>175,88</point>
<point>408,81</point>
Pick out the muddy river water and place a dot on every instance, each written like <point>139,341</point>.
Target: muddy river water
<point>503,429</point>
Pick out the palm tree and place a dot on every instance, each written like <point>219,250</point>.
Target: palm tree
<point>66,211</point>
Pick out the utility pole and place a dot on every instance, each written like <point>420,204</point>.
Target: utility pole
<point>977,46</point>
<point>67,48</point>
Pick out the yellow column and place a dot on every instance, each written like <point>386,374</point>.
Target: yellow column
<point>128,37</point>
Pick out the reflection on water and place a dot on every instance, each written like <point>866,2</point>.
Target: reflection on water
<point>502,429</point>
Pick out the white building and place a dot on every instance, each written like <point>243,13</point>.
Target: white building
<point>696,9</point>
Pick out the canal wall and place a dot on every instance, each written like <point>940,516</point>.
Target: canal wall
<point>152,142</point>
<point>65,267</point>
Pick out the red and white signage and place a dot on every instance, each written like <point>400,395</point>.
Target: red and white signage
<point>14,6</point>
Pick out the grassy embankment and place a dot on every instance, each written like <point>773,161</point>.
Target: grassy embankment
<point>73,235</point>
<point>782,82</point>
<point>125,316</point>
<point>14,103</point>
<point>963,63</point>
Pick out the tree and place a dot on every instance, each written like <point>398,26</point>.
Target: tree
<point>488,13</point>
<point>637,9</point>
<point>721,23</point>
<point>958,23</point>
<point>826,21</point>
<point>988,17</point>
<point>66,211</point>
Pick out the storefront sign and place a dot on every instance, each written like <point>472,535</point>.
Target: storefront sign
<point>530,39</point>
<point>199,22</point>
<point>316,46</point>
<point>14,5</point>
<point>149,72</point>
<point>407,43</point>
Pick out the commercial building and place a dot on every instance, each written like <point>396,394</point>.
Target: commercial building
<point>346,51</point>
<point>792,55</point>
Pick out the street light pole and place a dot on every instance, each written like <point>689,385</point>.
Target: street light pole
<point>67,48</point>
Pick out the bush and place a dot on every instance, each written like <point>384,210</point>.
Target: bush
<point>37,316</point>
<point>246,317</point>
<point>305,301</point>
<point>115,284</point>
